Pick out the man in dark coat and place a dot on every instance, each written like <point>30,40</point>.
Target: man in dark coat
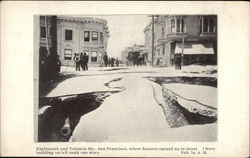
<point>117,62</point>
<point>109,62</point>
<point>81,61</point>
<point>85,61</point>
<point>112,62</point>
<point>105,59</point>
<point>58,68</point>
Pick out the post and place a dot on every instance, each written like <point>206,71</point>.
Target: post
<point>182,50</point>
<point>152,40</point>
<point>53,34</point>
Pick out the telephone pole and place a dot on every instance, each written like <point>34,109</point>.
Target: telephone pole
<point>153,21</point>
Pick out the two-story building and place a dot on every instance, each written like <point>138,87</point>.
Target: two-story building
<point>78,35</point>
<point>195,36</point>
<point>86,35</point>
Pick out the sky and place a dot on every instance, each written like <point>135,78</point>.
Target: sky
<point>125,31</point>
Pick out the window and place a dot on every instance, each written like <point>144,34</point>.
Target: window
<point>182,26</point>
<point>101,37</point>
<point>43,32</point>
<point>162,31</point>
<point>42,17</point>
<point>94,36</point>
<point>68,54</point>
<point>207,25</point>
<point>211,25</point>
<point>86,36</point>
<point>177,25</point>
<point>173,26</point>
<point>42,20</point>
<point>94,57</point>
<point>158,52</point>
<point>68,34</point>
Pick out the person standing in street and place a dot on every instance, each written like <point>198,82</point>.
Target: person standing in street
<point>112,62</point>
<point>77,61</point>
<point>85,62</point>
<point>81,61</point>
<point>58,64</point>
<point>105,59</point>
<point>109,62</point>
<point>117,62</point>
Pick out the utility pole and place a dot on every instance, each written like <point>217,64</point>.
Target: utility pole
<point>153,21</point>
<point>182,50</point>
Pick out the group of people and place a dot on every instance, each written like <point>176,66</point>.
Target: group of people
<point>135,59</point>
<point>178,60</point>
<point>81,60</point>
<point>110,62</point>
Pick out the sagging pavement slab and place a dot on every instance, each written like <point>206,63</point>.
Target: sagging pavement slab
<point>184,104</point>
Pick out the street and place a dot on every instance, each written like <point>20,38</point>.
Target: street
<point>134,104</point>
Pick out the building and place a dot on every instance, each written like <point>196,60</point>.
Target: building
<point>148,41</point>
<point>140,49</point>
<point>75,35</point>
<point>193,35</point>
<point>46,39</point>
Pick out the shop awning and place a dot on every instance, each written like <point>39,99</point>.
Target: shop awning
<point>194,48</point>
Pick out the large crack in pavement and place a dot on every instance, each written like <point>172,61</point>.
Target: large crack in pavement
<point>58,116</point>
<point>180,111</point>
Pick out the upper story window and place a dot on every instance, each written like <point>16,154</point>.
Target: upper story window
<point>172,25</point>
<point>43,32</point>
<point>86,36</point>
<point>68,34</point>
<point>101,37</point>
<point>207,25</point>
<point>94,36</point>
<point>177,25</point>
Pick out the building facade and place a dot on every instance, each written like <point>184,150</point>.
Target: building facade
<point>86,35</point>
<point>78,35</point>
<point>193,35</point>
<point>148,41</point>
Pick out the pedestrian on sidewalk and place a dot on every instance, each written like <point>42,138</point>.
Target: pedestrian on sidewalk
<point>77,61</point>
<point>109,62</point>
<point>85,62</point>
<point>112,62</point>
<point>81,61</point>
<point>58,64</point>
<point>117,62</point>
<point>105,59</point>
